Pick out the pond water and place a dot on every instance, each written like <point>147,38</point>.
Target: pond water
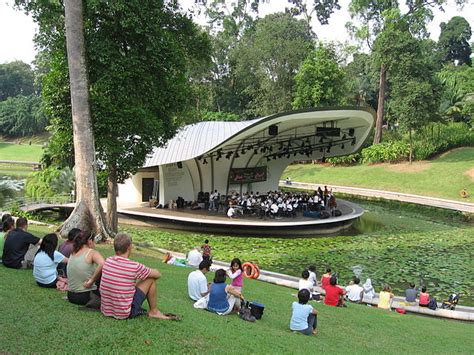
<point>11,188</point>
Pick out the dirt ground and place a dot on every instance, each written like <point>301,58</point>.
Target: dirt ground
<point>414,167</point>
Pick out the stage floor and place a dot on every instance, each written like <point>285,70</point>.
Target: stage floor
<point>219,223</point>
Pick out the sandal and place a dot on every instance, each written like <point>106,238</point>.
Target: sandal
<point>174,317</point>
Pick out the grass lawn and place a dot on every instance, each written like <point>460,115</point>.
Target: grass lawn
<point>20,152</point>
<point>36,320</point>
<point>442,177</point>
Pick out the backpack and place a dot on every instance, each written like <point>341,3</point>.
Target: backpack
<point>432,304</point>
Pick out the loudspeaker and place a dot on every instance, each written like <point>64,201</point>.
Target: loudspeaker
<point>180,165</point>
<point>273,130</point>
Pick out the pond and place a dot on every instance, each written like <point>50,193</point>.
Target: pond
<point>11,187</point>
<point>391,244</point>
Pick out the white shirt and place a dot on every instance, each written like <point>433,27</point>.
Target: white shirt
<point>353,292</point>
<point>305,284</point>
<point>197,284</point>
<point>194,258</point>
<point>230,212</point>
<point>312,278</point>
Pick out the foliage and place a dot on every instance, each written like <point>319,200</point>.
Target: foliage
<point>21,116</point>
<point>219,116</point>
<point>361,81</point>
<point>8,189</point>
<point>201,331</point>
<point>320,80</point>
<point>345,160</point>
<point>16,78</point>
<point>438,138</point>
<point>266,61</point>
<point>388,152</point>
<point>457,102</point>
<point>453,41</point>
<point>49,182</point>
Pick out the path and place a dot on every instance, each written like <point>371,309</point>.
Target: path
<point>389,195</point>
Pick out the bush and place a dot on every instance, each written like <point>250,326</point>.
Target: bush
<point>388,152</point>
<point>49,182</point>
<point>345,160</point>
<point>439,138</point>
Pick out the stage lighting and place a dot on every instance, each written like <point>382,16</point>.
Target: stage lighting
<point>180,165</point>
<point>273,130</point>
<point>228,155</point>
<point>236,155</point>
<point>353,141</point>
<point>255,151</point>
<point>204,161</point>
<point>351,132</point>
<point>199,158</point>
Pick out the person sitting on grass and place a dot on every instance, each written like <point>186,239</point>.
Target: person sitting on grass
<point>194,257</point>
<point>84,269</point>
<point>304,282</point>
<point>354,291</point>
<point>385,298</point>
<point>7,225</point>
<point>334,294</point>
<point>20,247</point>
<point>411,293</point>
<point>125,284</point>
<point>325,278</point>
<point>424,298</point>
<point>198,286</point>
<point>223,298</point>
<point>173,260</point>
<point>46,262</point>
<point>369,292</point>
<point>312,275</point>
<point>67,247</point>
<point>304,316</point>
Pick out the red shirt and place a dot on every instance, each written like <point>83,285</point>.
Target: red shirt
<point>332,295</point>
<point>325,281</point>
<point>424,299</point>
<point>117,285</point>
<point>206,249</point>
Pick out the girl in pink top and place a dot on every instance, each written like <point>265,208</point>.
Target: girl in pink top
<point>236,274</point>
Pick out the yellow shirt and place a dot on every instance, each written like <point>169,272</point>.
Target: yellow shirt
<point>384,300</point>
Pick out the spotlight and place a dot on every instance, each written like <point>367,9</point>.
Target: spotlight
<point>255,151</point>
<point>351,132</point>
<point>199,158</point>
<point>353,141</point>
<point>228,155</point>
<point>204,161</point>
<point>236,155</point>
<point>243,151</point>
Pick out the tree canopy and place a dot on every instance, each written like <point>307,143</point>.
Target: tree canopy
<point>453,41</point>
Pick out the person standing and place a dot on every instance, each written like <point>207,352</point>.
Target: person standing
<point>20,247</point>
<point>206,251</point>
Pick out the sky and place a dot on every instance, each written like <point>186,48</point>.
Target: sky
<point>17,29</point>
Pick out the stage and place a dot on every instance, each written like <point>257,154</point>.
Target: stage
<point>203,221</point>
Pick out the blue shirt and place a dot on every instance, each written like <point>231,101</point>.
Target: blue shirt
<point>218,298</point>
<point>299,318</point>
<point>44,269</point>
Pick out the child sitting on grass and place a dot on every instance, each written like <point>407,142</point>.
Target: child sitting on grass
<point>424,297</point>
<point>304,316</point>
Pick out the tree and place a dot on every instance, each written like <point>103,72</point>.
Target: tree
<point>454,39</point>
<point>320,80</point>
<point>139,56</point>
<point>371,16</point>
<point>361,81</point>
<point>88,214</point>
<point>16,78</point>
<point>266,61</point>
<point>21,116</point>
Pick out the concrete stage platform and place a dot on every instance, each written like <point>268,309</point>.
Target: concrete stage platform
<point>218,223</point>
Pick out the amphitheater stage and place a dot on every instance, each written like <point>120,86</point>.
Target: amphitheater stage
<point>203,221</point>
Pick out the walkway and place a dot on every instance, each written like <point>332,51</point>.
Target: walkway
<point>461,313</point>
<point>389,195</point>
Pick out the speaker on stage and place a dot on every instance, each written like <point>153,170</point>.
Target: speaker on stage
<point>180,165</point>
<point>273,130</point>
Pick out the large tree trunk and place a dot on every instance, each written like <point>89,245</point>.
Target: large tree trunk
<point>88,214</point>
<point>380,105</point>
<point>112,189</point>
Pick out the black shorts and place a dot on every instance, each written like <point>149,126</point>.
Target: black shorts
<point>51,285</point>
<point>137,302</point>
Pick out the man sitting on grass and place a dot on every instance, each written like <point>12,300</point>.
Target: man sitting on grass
<point>334,293</point>
<point>198,286</point>
<point>20,246</point>
<point>122,298</point>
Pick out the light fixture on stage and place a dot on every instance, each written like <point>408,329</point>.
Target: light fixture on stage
<point>273,130</point>
<point>255,151</point>
<point>199,158</point>
<point>204,161</point>
<point>180,165</point>
<point>351,132</point>
<point>243,151</point>
<point>229,154</point>
<point>236,155</point>
<point>353,141</point>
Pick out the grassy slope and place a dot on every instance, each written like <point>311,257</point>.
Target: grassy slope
<point>20,152</point>
<point>39,320</point>
<point>442,177</point>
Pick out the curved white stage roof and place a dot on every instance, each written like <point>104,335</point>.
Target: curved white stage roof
<point>297,130</point>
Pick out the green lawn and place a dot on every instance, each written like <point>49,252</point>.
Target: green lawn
<point>20,152</point>
<point>35,320</point>
<point>442,177</point>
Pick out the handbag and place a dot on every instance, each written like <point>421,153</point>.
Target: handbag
<point>201,303</point>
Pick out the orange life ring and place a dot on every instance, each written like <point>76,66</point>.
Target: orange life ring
<point>251,270</point>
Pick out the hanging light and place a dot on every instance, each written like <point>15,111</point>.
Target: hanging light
<point>353,141</point>
<point>204,161</point>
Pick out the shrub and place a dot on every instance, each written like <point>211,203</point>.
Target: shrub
<point>388,152</point>
<point>49,182</point>
<point>350,159</point>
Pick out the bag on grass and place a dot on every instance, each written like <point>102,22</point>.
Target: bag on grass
<point>201,303</point>
<point>256,309</point>
<point>245,313</point>
<point>432,304</point>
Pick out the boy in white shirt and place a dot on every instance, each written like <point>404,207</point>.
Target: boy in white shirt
<point>354,291</point>
<point>304,283</point>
